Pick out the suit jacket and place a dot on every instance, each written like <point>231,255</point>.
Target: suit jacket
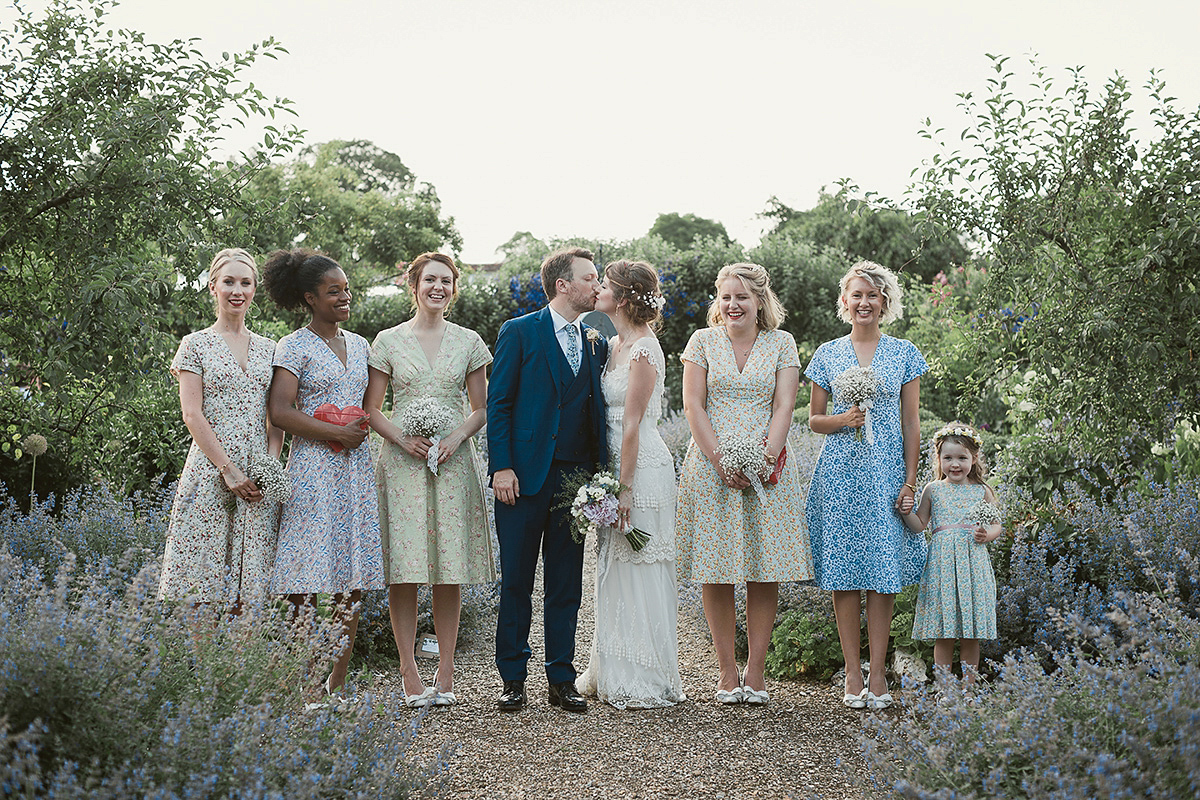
<point>529,377</point>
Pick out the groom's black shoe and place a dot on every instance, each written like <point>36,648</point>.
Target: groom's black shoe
<point>565,697</point>
<point>513,697</point>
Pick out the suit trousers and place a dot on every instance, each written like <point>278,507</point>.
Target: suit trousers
<point>523,530</point>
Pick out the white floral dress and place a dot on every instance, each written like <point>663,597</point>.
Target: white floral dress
<point>212,535</point>
<point>329,531</point>
<point>635,655</point>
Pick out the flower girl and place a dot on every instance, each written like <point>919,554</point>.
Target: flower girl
<point>957,596</point>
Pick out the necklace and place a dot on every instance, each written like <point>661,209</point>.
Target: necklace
<point>326,339</point>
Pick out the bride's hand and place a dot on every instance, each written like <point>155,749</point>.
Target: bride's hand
<point>624,506</point>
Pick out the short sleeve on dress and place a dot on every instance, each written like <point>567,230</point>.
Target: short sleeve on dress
<point>289,355</point>
<point>694,351</point>
<point>187,358</point>
<point>789,356</point>
<point>380,357</point>
<point>480,356</point>
<point>651,352</point>
<point>818,369</point>
<point>914,362</point>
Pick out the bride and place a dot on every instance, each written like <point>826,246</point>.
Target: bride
<point>635,658</point>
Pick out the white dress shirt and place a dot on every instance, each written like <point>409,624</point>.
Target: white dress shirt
<point>560,333</point>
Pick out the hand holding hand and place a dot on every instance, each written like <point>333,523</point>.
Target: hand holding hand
<point>505,487</point>
<point>905,500</point>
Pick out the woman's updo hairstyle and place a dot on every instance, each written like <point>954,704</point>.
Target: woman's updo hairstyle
<point>636,282</point>
<point>884,280</point>
<point>412,275</point>
<point>231,255</point>
<point>288,274</point>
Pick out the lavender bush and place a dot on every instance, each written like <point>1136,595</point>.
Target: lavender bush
<point>109,693</point>
<point>1115,717</point>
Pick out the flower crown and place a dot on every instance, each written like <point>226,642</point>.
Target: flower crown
<point>650,300</point>
<point>957,430</point>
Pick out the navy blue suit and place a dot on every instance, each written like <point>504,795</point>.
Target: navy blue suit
<point>543,422</point>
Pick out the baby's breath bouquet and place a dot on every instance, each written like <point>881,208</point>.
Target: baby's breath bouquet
<point>858,386</point>
<point>747,455</point>
<point>268,474</point>
<point>592,501</point>
<point>983,513</point>
<point>427,417</point>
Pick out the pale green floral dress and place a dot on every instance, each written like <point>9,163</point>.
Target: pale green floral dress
<point>725,535</point>
<point>435,527</point>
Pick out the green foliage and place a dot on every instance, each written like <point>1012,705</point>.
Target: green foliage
<point>860,228</point>
<point>904,613</point>
<point>108,188</point>
<point>351,200</point>
<point>1092,230</point>
<point>682,230</point>
<point>804,645</point>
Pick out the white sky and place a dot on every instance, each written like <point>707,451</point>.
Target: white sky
<point>590,118</point>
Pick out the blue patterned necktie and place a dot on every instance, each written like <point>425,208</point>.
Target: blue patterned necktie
<point>573,348</point>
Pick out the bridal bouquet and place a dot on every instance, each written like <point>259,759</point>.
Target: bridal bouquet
<point>858,386</point>
<point>592,501</point>
<point>427,417</point>
<point>747,455</point>
<point>983,513</point>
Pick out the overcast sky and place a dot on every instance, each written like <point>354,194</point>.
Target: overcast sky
<point>590,118</point>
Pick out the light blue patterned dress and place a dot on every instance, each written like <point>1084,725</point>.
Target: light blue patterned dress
<point>329,533</point>
<point>957,599</point>
<point>858,540</point>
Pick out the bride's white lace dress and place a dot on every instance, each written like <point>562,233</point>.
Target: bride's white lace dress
<point>635,655</point>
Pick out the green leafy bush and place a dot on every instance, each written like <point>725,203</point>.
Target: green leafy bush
<point>805,644</point>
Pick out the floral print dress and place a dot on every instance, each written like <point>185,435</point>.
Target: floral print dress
<point>725,535</point>
<point>212,535</point>
<point>435,527</point>
<point>329,531</point>
<point>858,540</point>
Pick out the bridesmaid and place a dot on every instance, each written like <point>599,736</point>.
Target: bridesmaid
<point>224,372</point>
<point>435,527</point>
<point>329,532</point>
<point>740,378</point>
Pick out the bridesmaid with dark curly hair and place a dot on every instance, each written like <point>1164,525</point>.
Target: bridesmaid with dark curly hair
<point>329,532</point>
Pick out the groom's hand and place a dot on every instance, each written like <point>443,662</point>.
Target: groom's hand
<point>505,487</point>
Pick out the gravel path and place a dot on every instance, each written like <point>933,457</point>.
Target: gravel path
<point>794,746</point>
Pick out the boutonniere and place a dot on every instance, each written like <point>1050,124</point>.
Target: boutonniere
<point>593,336</point>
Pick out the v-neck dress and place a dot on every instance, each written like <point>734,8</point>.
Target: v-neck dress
<point>727,535</point>
<point>858,540</point>
<point>212,534</point>
<point>435,527</point>
<point>329,531</point>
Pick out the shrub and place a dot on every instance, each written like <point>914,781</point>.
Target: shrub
<point>108,693</point>
<point>1114,718</point>
<point>805,641</point>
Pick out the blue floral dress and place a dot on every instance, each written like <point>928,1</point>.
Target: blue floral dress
<point>329,533</point>
<point>957,599</point>
<point>858,540</point>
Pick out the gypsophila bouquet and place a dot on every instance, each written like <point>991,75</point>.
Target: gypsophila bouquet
<point>745,454</point>
<point>268,474</point>
<point>427,417</point>
<point>858,386</point>
<point>592,501</point>
<point>983,513</point>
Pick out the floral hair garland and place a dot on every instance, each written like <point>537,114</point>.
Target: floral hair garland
<point>655,301</point>
<point>957,430</point>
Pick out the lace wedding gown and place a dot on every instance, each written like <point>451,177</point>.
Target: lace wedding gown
<point>635,657</point>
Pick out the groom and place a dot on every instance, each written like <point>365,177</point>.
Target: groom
<point>545,420</point>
